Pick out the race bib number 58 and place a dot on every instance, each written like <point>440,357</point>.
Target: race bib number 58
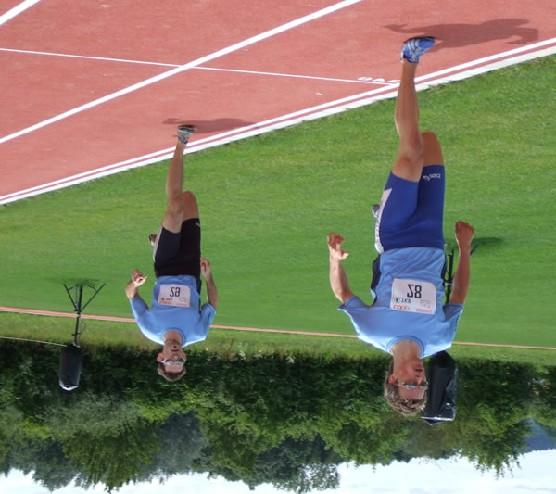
<point>174,295</point>
<point>413,296</point>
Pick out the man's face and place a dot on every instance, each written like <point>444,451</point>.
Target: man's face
<point>172,356</point>
<point>410,379</point>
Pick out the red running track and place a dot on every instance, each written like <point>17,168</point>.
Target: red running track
<point>344,56</point>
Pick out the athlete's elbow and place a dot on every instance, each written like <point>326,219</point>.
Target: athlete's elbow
<point>344,295</point>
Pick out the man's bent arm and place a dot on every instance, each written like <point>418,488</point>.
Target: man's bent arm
<point>212,292</point>
<point>137,279</point>
<point>132,293</point>
<point>338,280</point>
<point>462,277</point>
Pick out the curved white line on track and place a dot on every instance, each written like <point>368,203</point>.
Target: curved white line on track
<point>456,73</point>
<point>182,68</point>
<point>15,11</point>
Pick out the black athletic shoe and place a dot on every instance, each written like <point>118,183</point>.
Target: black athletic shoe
<point>184,132</point>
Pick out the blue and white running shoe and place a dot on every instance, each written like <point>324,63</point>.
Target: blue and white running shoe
<point>414,48</point>
<point>184,132</point>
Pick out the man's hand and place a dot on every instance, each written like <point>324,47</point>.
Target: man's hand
<point>205,268</point>
<point>335,241</point>
<point>212,292</point>
<point>464,235</point>
<point>462,278</point>
<point>137,278</point>
<point>337,275</point>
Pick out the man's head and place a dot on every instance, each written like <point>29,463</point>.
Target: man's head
<point>405,387</point>
<point>171,360</point>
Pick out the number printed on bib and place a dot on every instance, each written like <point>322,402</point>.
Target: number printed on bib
<point>413,296</point>
<point>174,295</point>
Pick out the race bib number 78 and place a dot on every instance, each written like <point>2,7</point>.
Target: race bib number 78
<point>413,296</point>
<point>174,295</point>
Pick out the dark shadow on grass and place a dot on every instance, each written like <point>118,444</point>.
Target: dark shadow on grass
<point>209,126</point>
<point>454,35</point>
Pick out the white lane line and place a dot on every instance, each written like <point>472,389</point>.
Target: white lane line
<point>513,51</point>
<point>312,113</point>
<point>295,76</point>
<point>197,145</point>
<point>187,66</point>
<point>15,11</point>
<point>103,59</point>
<point>243,71</point>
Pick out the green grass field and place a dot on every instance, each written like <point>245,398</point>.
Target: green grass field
<point>267,203</point>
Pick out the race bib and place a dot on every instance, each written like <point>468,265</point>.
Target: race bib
<point>174,295</point>
<point>413,296</point>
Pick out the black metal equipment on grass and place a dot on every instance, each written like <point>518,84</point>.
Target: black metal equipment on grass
<point>69,371</point>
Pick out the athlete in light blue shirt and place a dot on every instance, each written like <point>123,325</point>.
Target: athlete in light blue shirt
<point>176,318</point>
<point>175,304</point>
<point>408,318</point>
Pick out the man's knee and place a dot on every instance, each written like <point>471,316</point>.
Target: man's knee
<point>408,166</point>
<point>409,161</point>
<point>175,208</point>
<point>189,198</point>
<point>432,151</point>
<point>175,203</point>
<point>411,148</point>
<point>173,216</point>
<point>190,208</point>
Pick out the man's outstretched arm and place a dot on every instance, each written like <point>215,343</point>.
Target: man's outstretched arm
<point>464,237</point>
<point>212,292</point>
<point>132,287</point>
<point>337,274</point>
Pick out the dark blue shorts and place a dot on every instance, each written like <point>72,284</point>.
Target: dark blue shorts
<point>411,214</point>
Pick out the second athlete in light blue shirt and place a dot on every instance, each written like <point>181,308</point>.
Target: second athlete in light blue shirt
<point>176,318</point>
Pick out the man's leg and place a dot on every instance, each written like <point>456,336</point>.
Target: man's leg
<point>177,200</point>
<point>400,197</point>
<point>409,160</point>
<point>190,209</point>
<point>190,238</point>
<point>432,151</point>
<point>430,201</point>
<point>181,206</point>
<point>173,217</point>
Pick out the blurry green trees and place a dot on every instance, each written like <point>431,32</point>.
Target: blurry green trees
<point>285,420</point>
